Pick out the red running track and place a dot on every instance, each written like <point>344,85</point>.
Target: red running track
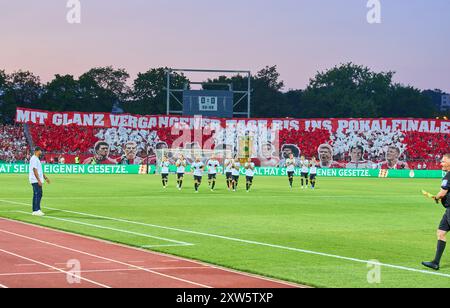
<point>37,257</point>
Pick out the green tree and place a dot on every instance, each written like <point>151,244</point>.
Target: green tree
<point>102,87</point>
<point>347,90</point>
<point>435,96</point>
<point>149,94</point>
<point>267,98</point>
<point>407,101</point>
<point>21,88</point>
<point>62,94</point>
<point>3,78</point>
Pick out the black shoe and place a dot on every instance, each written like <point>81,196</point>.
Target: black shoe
<point>431,265</point>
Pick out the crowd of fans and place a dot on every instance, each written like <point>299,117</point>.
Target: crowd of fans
<point>63,139</point>
<point>426,146</point>
<point>13,144</point>
<point>420,150</point>
<point>307,141</point>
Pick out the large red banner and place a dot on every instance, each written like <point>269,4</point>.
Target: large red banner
<point>151,122</point>
<point>349,143</point>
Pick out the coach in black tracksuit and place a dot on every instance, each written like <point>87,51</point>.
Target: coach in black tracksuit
<point>444,227</point>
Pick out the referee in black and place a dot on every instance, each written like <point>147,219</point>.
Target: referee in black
<point>444,227</point>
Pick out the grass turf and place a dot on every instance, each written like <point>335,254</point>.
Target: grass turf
<point>259,232</point>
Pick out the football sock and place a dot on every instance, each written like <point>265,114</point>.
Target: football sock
<point>439,252</point>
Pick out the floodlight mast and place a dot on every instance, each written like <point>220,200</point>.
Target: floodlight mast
<point>245,94</point>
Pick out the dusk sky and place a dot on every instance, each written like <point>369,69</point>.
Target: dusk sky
<point>300,36</point>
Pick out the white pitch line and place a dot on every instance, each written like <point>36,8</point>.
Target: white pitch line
<point>113,229</point>
<point>106,271</point>
<point>55,268</point>
<point>106,259</point>
<point>168,245</point>
<point>250,242</point>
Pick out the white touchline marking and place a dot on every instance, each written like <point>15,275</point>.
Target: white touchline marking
<point>104,258</point>
<point>249,242</point>
<point>168,245</point>
<point>113,229</point>
<point>55,268</point>
<point>107,271</point>
<point>374,197</point>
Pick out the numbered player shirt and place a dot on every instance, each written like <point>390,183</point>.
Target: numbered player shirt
<point>165,167</point>
<point>290,165</point>
<point>446,186</point>
<point>181,166</point>
<point>235,170</point>
<point>228,165</point>
<point>249,169</point>
<point>305,166</point>
<point>313,169</point>
<point>198,168</point>
<point>212,166</point>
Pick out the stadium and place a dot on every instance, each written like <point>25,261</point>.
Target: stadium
<point>224,179</point>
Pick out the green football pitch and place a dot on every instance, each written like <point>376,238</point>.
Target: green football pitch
<point>321,238</point>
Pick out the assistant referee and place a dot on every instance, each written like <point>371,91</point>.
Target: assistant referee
<point>444,226</point>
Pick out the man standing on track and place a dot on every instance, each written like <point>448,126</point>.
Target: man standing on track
<point>444,226</point>
<point>37,177</point>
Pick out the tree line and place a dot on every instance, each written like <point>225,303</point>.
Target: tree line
<point>346,90</point>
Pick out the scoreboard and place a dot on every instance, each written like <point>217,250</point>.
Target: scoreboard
<point>208,103</point>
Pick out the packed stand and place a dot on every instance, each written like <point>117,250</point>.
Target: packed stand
<point>13,144</point>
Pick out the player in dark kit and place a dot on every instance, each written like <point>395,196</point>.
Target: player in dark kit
<point>444,226</point>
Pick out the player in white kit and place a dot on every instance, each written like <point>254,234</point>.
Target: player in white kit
<point>165,171</point>
<point>228,167</point>
<point>249,173</point>
<point>304,165</point>
<point>235,172</point>
<point>198,167</point>
<point>212,164</point>
<point>290,169</point>
<point>181,169</point>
